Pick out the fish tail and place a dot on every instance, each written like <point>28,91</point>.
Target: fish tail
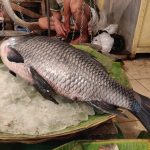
<point>144,113</point>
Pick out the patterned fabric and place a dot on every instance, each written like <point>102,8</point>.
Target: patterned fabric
<point>57,5</point>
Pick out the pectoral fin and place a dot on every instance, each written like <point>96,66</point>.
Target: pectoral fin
<point>42,86</point>
<point>14,56</point>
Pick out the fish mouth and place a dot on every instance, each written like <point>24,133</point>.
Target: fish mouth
<point>10,42</point>
<point>5,43</point>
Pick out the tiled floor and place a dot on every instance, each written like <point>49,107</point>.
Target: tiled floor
<point>138,72</point>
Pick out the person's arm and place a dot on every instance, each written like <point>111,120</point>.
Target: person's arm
<point>59,27</point>
<point>56,16</point>
<point>67,15</point>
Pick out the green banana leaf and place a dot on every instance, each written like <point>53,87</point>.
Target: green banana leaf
<point>144,135</point>
<point>96,145</point>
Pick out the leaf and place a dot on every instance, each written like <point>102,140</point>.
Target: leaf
<point>144,135</point>
<point>95,145</point>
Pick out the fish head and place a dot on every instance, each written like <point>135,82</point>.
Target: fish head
<point>12,41</point>
<point>12,59</point>
<point>7,45</point>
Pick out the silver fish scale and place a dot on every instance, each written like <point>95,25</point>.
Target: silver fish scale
<point>72,72</point>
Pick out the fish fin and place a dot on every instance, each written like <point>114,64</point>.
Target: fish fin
<point>11,72</point>
<point>14,56</point>
<point>143,114</point>
<point>107,108</point>
<point>42,86</point>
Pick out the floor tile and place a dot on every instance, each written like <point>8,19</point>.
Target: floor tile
<point>138,73</point>
<point>129,76</point>
<point>131,129</point>
<point>129,118</point>
<point>138,87</point>
<point>145,83</point>
<point>138,69</point>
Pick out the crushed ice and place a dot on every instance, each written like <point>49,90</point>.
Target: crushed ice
<point>25,111</point>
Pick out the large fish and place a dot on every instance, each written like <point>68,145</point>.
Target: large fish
<point>55,67</point>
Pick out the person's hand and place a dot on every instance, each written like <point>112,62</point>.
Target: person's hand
<point>67,28</point>
<point>60,29</point>
<point>1,13</point>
